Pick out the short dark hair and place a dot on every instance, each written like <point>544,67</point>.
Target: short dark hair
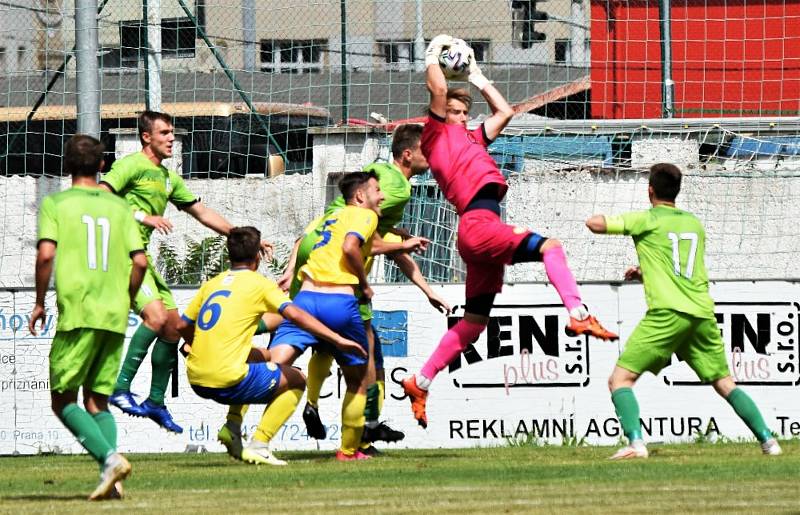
<point>405,137</point>
<point>244,244</point>
<point>83,155</point>
<point>353,182</point>
<point>665,179</point>
<point>462,95</point>
<point>148,118</point>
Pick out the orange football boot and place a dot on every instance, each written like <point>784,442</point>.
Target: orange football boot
<point>590,326</point>
<point>418,398</point>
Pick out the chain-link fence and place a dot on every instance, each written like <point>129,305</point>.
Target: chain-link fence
<point>248,81</point>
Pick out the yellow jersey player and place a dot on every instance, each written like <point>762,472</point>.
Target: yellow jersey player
<point>331,276</point>
<point>220,323</point>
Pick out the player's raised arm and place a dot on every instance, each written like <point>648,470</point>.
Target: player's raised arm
<point>210,218</point>
<point>434,77</point>
<point>501,111</point>
<point>415,244</point>
<point>597,224</point>
<point>217,223</point>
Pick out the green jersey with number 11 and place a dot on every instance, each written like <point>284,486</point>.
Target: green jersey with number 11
<point>95,236</point>
<point>670,244</point>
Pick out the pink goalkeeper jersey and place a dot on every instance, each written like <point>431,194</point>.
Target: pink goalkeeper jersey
<point>459,161</point>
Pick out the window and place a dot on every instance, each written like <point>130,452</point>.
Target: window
<point>398,55</point>
<point>563,52</point>
<point>3,61</point>
<point>292,55</point>
<point>177,41</point>
<point>177,37</point>
<point>481,49</point>
<point>131,44</point>
<point>562,49</point>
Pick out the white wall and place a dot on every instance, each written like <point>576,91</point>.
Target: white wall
<point>553,396</point>
<point>751,218</point>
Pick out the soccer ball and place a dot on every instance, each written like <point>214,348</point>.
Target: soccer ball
<point>455,59</point>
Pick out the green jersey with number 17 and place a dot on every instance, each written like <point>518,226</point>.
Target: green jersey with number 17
<point>670,244</point>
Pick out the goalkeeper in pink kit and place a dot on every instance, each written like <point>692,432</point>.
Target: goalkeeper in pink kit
<point>471,181</point>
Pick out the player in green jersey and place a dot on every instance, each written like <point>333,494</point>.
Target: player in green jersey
<point>147,185</point>
<point>408,161</point>
<point>680,318</point>
<point>100,266</point>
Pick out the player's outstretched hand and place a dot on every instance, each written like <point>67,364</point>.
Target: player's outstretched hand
<point>633,273</point>
<point>435,47</point>
<point>476,76</point>
<point>351,347</point>
<point>38,313</point>
<point>440,304</point>
<point>266,249</point>
<point>159,223</point>
<point>416,244</point>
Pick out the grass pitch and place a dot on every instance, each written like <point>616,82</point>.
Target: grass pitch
<point>710,478</point>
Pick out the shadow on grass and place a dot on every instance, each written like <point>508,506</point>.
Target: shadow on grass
<point>44,497</point>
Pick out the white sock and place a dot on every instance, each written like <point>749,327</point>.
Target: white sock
<point>371,423</point>
<point>579,313</point>
<point>258,444</point>
<point>423,382</point>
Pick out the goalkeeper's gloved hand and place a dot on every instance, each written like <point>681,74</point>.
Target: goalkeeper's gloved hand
<point>435,47</point>
<point>476,76</point>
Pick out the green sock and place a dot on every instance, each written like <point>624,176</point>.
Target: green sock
<point>85,428</point>
<point>747,410</point>
<point>137,350</point>
<point>262,327</point>
<point>628,412</point>
<point>165,357</point>
<point>371,411</point>
<point>105,421</point>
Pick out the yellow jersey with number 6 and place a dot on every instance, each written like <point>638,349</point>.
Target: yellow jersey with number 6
<point>225,313</point>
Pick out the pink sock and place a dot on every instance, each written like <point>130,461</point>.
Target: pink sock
<point>453,343</point>
<point>555,264</point>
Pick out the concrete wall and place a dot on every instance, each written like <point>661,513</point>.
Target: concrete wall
<point>280,207</point>
<point>749,220</point>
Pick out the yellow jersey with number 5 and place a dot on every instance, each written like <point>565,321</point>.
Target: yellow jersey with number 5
<point>326,263</point>
<point>225,313</point>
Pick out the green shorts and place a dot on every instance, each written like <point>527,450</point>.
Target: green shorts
<point>365,310</point>
<point>154,287</point>
<point>85,357</point>
<point>664,332</point>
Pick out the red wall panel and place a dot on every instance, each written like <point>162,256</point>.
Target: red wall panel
<point>729,58</point>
